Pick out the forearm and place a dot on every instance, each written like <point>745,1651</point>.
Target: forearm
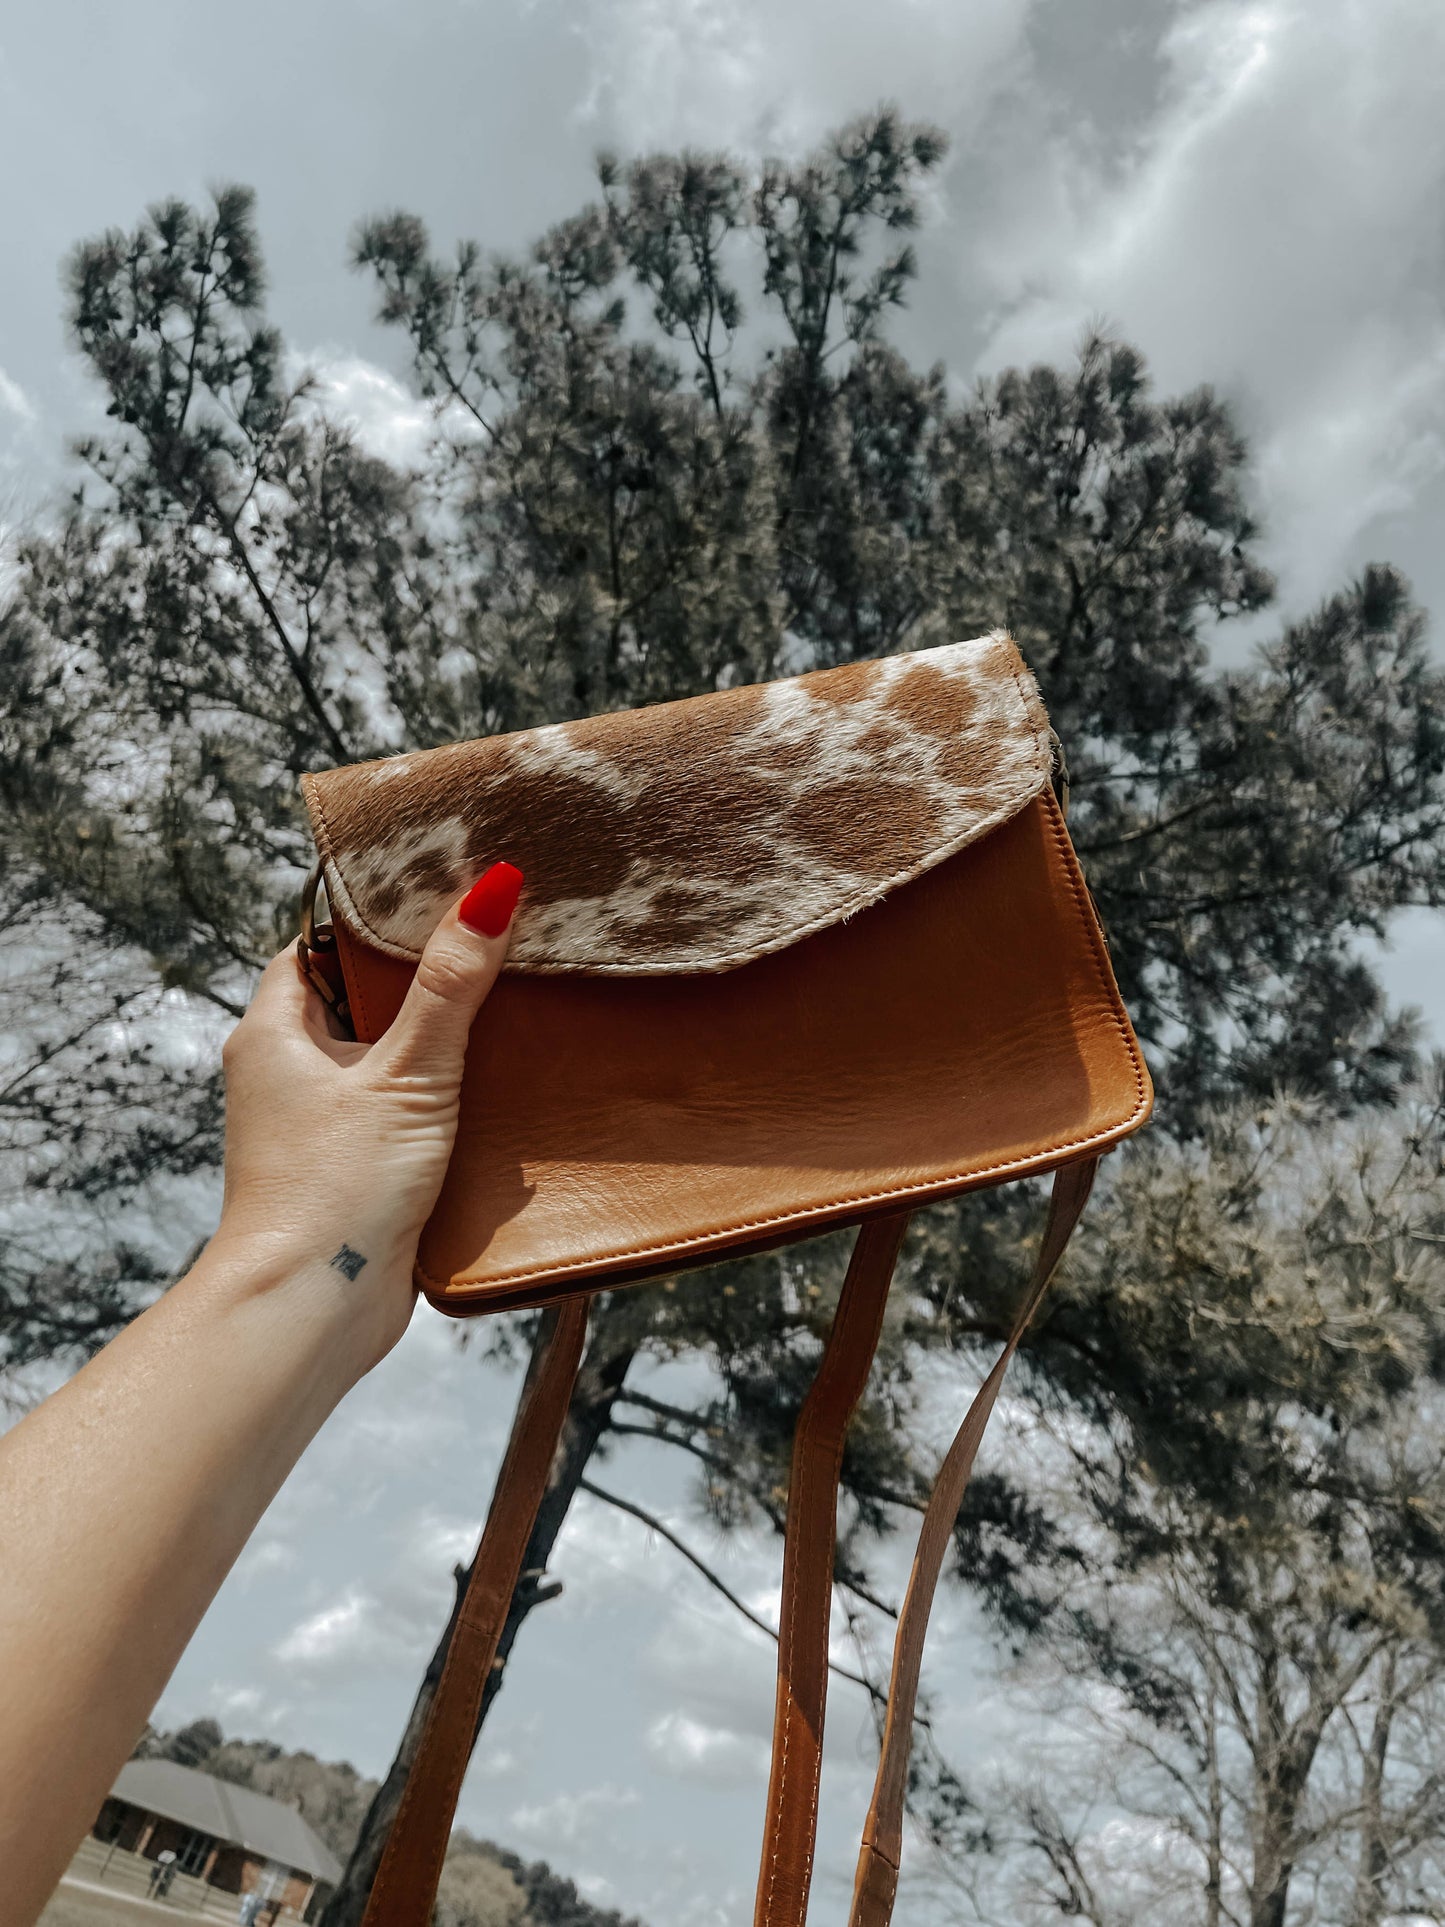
<point>124,1501</point>
<point>126,1497</point>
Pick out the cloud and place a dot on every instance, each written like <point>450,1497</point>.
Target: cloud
<point>754,76</point>
<point>387,419</point>
<point>572,1817</point>
<point>700,1751</point>
<point>344,1630</point>
<point>14,400</point>
<point>1273,228</point>
<point>232,1704</point>
<point>263,1556</point>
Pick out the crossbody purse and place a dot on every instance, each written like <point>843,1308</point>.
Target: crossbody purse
<point>791,956</point>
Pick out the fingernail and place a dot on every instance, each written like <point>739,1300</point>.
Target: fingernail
<point>489,904</point>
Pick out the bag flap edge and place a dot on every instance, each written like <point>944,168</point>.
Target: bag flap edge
<point>553,939</point>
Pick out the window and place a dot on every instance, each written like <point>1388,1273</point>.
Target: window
<point>194,1851</point>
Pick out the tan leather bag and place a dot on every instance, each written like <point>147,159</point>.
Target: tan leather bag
<point>789,957</point>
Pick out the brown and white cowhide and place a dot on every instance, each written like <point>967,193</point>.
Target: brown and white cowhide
<point>695,835</point>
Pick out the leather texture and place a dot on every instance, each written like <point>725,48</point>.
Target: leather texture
<point>787,959</point>
<point>406,1883</point>
<point>694,835</point>
<point>404,1889</point>
<point>881,1853</point>
<point>965,1030</point>
<point>807,1599</point>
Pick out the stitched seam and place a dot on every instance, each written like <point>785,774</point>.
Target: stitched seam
<point>831,1368</point>
<point>1107,985</point>
<point>729,959</point>
<point>1102,968</point>
<point>793,1217</point>
<point>389,1861</point>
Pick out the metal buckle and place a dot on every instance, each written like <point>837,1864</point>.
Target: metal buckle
<point>314,937</point>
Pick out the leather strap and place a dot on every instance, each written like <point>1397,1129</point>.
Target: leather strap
<point>404,1890</point>
<point>878,1861</point>
<point>787,1863</point>
<point>406,1882</point>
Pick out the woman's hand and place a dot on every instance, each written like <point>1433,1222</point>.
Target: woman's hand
<point>126,1496</point>
<point>335,1151</point>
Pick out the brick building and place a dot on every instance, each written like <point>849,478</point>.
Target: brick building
<point>225,1835</point>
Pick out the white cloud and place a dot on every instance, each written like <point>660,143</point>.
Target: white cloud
<point>263,1556</point>
<point>572,1817</point>
<point>14,400</point>
<point>1274,229</point>
<point>714,1753</point>
<point>387,419</point>
<point>344,1630</point>
<point>755,76</point>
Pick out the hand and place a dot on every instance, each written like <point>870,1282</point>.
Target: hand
<point>126,1495</point>
<point>335,1151</point>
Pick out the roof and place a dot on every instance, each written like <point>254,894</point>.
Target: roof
<point>231,1813</point>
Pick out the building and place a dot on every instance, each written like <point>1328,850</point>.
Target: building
<point>232,1839</point>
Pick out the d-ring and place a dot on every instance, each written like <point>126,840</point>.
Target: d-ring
<point>314,935</point>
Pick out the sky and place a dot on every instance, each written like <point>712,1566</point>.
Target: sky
<point>1250,190</point>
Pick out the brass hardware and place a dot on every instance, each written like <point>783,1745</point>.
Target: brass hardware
<point>316,937</point>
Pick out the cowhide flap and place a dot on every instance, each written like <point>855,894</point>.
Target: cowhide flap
<point>695,835</point>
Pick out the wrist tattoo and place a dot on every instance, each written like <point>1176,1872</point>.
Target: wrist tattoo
<point>348,1262</point>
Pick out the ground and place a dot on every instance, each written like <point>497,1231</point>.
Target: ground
<point>75,1906</point>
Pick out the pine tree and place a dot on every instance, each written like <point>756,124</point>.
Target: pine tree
<point>1233,1607</point>
<point>651,479</point>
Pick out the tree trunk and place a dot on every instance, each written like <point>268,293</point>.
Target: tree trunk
<point>1214,1879</point>
<point>610,1352</point>
<point>1369,1904</point>
<point>1276,1794</point>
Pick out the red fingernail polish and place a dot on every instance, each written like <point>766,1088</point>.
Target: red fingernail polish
<point>489,904</point>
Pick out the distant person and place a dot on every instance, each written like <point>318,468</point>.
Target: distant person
<point>250,1907</point>
<point>162,1874</point>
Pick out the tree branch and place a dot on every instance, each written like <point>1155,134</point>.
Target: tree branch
<point>655,1524</point>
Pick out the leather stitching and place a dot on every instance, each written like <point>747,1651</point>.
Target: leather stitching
<point>832,1364</point>
<point>921,1194</point>
<point>458,1757</point>
<point>389,1862</point>
<point>998,1172</point>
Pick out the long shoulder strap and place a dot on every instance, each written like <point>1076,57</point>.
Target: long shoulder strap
<point>878,1861</point>
<point>405,1887</point>
<point>792,1813</point>
<point>787,1863</point>
<point>406,1882</point>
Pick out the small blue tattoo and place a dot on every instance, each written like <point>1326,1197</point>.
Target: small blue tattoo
<point>347,1262</point>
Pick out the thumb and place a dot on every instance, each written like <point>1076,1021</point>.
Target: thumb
<point>461,962</point>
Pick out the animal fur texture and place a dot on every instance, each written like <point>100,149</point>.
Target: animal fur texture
<point>693,835</point>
